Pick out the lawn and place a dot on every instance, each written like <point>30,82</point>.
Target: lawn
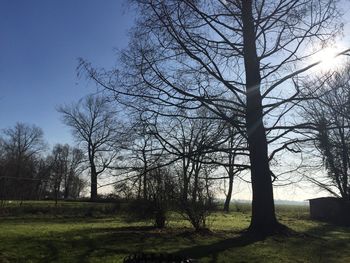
<point>104,237</point>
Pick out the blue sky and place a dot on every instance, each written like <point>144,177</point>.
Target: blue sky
<point>40,41</point>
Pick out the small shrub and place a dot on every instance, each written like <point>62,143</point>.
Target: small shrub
<point>139,209</point>
<point>197,212</point>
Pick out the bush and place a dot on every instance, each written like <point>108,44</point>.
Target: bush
<point>139,209</point>
<point>197,212</point>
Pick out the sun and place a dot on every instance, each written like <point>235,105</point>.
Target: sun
<point>329,59</point>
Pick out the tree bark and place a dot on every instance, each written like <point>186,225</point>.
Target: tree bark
<point>263,210</point>
<point>93,194</point>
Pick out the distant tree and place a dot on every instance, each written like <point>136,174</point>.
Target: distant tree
<point>79,186</point>
<point>58,169</point>
<point>95,128</point>
<point>329,117</point>
<point>235,147</point>
<point>74,183</point>
<point>44,186</point>
<point>65,165</point>
<point>23,140</point>
<point>190,144</point>
<point>21,146</point>
<point>162,193</point>
<point>145,152</point>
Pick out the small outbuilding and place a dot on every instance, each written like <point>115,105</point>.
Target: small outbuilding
<point>330,209</point>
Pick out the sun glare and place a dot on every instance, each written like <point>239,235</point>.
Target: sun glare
<point>328,59</point>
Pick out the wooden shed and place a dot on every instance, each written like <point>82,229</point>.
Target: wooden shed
<point>330,209</point>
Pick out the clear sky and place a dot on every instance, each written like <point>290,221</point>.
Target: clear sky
<point>40,41</point>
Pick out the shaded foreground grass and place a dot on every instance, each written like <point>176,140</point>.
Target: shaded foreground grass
<point>110,238</point>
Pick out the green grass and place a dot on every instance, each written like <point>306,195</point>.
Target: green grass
<point>109,238</point>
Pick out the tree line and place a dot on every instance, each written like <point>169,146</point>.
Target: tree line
<point>27,173</point>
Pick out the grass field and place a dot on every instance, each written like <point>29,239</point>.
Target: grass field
<point>94,234</point>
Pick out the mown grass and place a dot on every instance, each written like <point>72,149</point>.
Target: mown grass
<point>109,238</point>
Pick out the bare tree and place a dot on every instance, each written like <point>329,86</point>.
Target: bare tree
<point>73,182</point>
<point>329,114</point>
<point>21,146</point>
<point>189,54</point>
<point>162,189</point>
<point>23,140</point>
<point>65,165</point>
<point>189,145</point>
<point>58,169</point>
<point>94,126</point>
<point>235,148</point>
<point>145,154</point>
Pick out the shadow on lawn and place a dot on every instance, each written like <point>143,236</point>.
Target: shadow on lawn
<point>214,249</point>
<point>102,243</point>
<point>115,243</point>
<point>81,245</point>
<point>326,229</point>
<point>123,241</point>
<point>328,243</point>
<point>108,244</point>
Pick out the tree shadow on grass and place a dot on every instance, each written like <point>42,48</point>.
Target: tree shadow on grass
<point>105,242</point>
<point>79,245</point>
<point>129,240</point>
<point>323,229</point>
<point>321,243</point>
<point>115,243</point>
<point>96,243</point>
<point>214,249</point>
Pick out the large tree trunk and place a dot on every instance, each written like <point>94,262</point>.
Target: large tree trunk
<point>263,210</point>
<point>93,193</point>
